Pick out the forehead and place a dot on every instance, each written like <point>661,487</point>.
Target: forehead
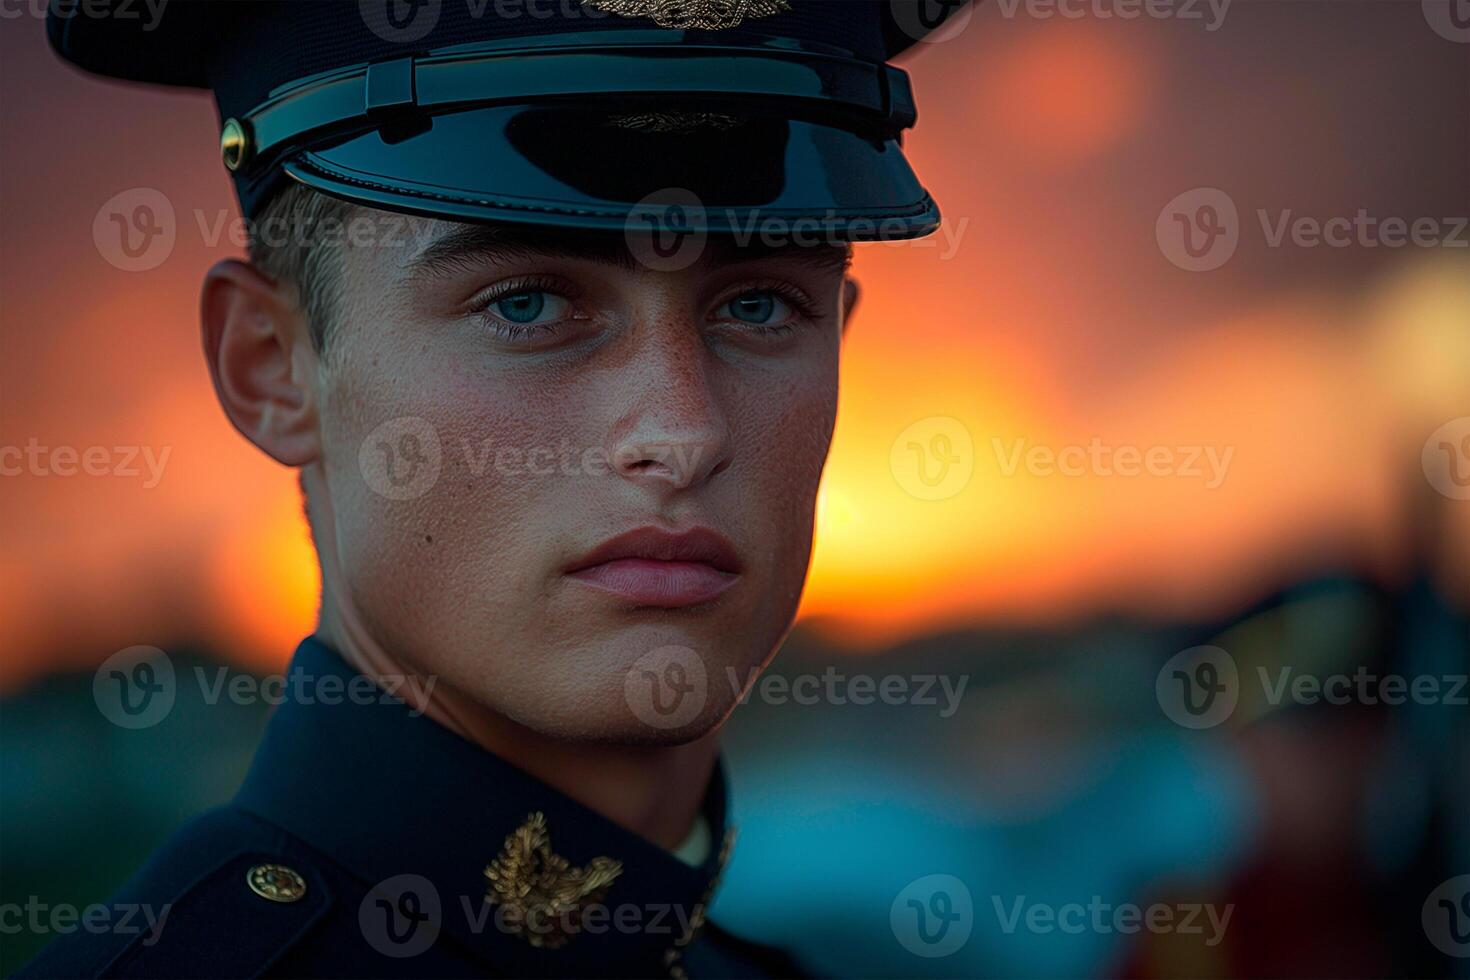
<point>433,248</point>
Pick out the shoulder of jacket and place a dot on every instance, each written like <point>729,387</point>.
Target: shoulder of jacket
<point>225,896</point>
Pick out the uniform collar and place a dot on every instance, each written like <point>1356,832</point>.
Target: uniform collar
<point>386,793</point>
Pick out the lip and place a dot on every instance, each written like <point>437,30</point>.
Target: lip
<point>649,566</point>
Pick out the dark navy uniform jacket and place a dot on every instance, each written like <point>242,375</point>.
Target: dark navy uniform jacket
<point>359,846</point>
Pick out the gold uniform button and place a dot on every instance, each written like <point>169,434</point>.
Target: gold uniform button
<point>276,882</point>
<point>234,144</point>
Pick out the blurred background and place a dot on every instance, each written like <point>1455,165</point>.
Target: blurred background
<point>1129,271</point>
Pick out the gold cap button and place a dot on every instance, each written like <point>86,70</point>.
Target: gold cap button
<point>234,144</point>
<point>276,882</point>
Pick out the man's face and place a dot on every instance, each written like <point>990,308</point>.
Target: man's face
<point>627,468</point>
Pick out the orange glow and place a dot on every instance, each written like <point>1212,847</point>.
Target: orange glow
<point>1064,94</point>
<point>266,583</point>
<point>1012,546</point>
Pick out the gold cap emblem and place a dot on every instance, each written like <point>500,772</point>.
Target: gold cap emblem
<point>685,15</point>
<point>542,894</point>
<point>276,882</point>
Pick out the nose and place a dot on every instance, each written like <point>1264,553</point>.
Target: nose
<point>673,433</point>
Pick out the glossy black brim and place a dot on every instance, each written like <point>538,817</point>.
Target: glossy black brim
<point>571,167</point>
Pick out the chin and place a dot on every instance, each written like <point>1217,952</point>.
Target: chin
<point>583,668</point>
<point>665,681</point>
<point>618,727</point>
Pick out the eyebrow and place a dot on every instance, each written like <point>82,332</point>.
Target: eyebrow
<point>466,246</point>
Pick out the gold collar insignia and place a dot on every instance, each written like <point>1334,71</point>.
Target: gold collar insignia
<point>541,893</point>
<point>703,15</point>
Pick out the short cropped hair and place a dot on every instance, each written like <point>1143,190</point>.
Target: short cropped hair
<point>285,245</point>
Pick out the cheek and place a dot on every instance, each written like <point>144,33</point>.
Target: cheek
<point>783,431</point>
<point>427,514</point>
<point>787,422</point>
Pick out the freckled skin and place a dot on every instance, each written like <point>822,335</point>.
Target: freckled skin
<point>466,581</point>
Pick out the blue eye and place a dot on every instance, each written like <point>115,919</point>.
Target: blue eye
<point>758,307</point>
<point>521,307</point>
<point>525,313</point>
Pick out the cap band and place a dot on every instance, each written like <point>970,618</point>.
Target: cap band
<point>404,93</point>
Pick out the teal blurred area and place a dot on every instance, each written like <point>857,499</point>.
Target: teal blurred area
<point>83,802</point>
<point>1053,780</point>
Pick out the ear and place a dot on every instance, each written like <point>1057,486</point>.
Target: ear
<point>851,293</point>
<point>261,360</point>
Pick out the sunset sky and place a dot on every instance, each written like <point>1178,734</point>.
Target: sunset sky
<point>1046,315</point>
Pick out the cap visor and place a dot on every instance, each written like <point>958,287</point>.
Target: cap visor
<point>606,168</point>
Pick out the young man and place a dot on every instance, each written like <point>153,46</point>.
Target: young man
<point>546,310</point>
